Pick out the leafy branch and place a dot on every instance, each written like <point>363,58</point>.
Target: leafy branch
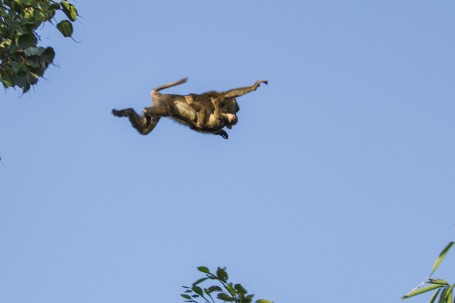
<point>443,290</point>
<point>222,290</point>
<point>22,61</point>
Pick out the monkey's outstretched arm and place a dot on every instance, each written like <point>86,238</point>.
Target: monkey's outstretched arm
<point>237,92</point>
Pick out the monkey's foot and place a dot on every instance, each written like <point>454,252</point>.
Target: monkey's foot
<point>121,113</point>
<point>223,134</point>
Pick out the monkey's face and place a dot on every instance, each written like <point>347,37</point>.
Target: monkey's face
<point>232,119</point>
<point>231,106</point>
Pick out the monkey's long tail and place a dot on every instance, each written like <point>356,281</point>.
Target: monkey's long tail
<point>181,81</point>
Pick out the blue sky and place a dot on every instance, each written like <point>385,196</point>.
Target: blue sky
<point>336,184</point>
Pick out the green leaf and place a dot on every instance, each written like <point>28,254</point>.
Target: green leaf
<point>199,281</point>
<point>443,296</point>
<point>222,274</point>
<point>438,281</point>
<point>263,301</point>
<point>435,295</point>
<point>32,78</point>
<point>186,296</point>
<point>33,51</point>
<point>203,269</point>
<point>28,12</point>
<point>198,290</point>
<point>15,67</point>
<point>446,295</point>
<point>214,288</point>
<point>231,289</point>
<point>441,257</point>
<point>224,297</point>
<point>6,83</point>
<point>27,40</point>
<point>6,77</point>
<point>22,2</point>
<point>417,291</point>
<point>248,298</point>
<point>48,56</point>
<point>449,297</point>
<point>5,43</point>
<point>26,88</point>
<point>65,27</point>
<point>54,5</point>
<point>20,79</point>
<point>69,10</point>
<point>239,288</point>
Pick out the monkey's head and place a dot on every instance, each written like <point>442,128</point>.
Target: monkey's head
<point>230,106</point>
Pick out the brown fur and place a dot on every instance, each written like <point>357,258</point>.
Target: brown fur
<point>209,112</point>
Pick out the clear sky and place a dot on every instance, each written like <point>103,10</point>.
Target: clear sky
<point>336,184</point>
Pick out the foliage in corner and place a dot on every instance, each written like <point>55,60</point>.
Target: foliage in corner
<point>221,291</point>
<point>443,290</point>
<point>22,61</point>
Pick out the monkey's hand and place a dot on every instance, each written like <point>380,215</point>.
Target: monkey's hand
<point>258,83</point>
<point>222,133</point>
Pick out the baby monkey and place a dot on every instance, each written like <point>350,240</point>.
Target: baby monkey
<point>211,113</point>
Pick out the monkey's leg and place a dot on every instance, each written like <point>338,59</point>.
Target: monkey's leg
<point>202,112</point>
<point>237,92</point>
<point>201,118</point>
<point>143,124</point>
<point>216,106</point>
<point>161,109</point>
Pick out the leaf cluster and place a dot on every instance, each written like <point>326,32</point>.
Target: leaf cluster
<point>222,289</point>
<point>443,290</point>
<point>22,61</point>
